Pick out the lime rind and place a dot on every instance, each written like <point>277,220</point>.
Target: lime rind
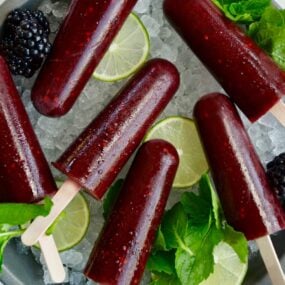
<point>114,66</point>
<point>182,133</point>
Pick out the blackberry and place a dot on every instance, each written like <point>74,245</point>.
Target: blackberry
<point>25,41</point>
<point>276,174</point>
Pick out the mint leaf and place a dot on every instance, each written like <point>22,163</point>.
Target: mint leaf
<point>237,241</point>
<point>198,208</point>
<point>184,249</point>
<point>269,34</point>
<point>174,228</point>
<point>111,197</point>
<point>19,214</point>
<point>204,207</point>
<point>207,186</point>
<point>164,279</point>
<point>243,11</point>
<point>162,262</point>
<point>160,243</point>
<point>198,267</point>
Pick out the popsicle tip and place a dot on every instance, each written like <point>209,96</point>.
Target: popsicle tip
<point>28,239</point>
<point>60,276</point>
<point>52,258</point>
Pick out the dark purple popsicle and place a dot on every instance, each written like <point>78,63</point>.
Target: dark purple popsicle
<point>99,153</point>
<point>83,39</point>
<point>243,187</point>
<point>249,76</point>
<point>25,176</point>
<point>120,255</point>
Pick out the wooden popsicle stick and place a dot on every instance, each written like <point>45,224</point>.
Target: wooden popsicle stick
<point>52,258</point>
<point>279,3</point>
<point>61,199</point>
<point>271,260</point>
<point>278,111</point>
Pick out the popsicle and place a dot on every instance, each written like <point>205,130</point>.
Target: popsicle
<point>247,74</point>
<point>249,203</point>
<point>96,157</point>
<point>84,37</point>
<point>121,253</point>
<point>25,176</point>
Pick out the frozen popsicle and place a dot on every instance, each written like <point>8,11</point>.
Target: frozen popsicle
<point>84,37</point>
<point>249,203</point>
<point>99,153</point>
<point>248,75</point>
<point>25,176</point>
<point>121,253</point>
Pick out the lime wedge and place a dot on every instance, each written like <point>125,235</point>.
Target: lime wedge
<point>72,226</point>
<point>182,133</point>
<point>228,268</point>
<point>127,53</point>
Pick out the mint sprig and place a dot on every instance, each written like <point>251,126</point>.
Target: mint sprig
<point>243,11</point>
<point>190,230</point>
<point>269,34</point>
<point>14,215</point>
<point>183,252</point>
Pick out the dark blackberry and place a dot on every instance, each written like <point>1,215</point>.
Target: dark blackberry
<point>25,41</point>
<point>276,174</point>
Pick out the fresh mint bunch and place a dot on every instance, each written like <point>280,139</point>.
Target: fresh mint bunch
<point>183,250</point>
<point>190,230</point>
<point>14,215</point>
<point>269,34</point>
<point>264,23</point>
<point>243,11</point>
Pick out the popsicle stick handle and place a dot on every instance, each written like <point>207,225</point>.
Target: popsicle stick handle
<point>61,199</point>
<point>52,258</point>
<point>279,3</point>
<point>271,260</point>
<point>278,111</point>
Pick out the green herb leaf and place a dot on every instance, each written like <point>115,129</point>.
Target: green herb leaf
<point>243,11</point>
<point>198,268</point>
<point>191,229</point>
<point>18,214</point>
<point>162,262</point>
<point>111,197</point>
<point>237,241</point>
<point>160,243</point>
<point>198,208</point>
<point>174,228</point>
<point>269,34</point>
<point>164,279</point>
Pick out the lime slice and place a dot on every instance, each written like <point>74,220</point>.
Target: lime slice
<point>72,226</point>
<point>228,268</point>
<point>182,133</point>
<point>127,53</point>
